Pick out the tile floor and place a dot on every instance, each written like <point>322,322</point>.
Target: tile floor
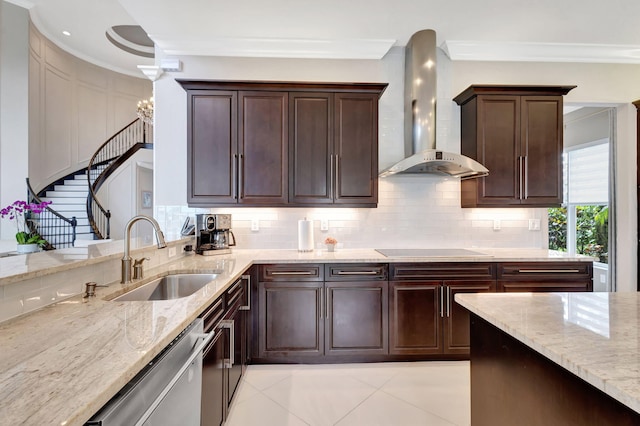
<point>385,394</point>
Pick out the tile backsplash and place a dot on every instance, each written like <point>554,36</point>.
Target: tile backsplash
<point>413,211</point>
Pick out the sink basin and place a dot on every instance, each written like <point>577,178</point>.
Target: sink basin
<point>168,287</point>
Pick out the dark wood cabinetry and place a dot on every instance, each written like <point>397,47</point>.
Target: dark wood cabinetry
<point>516,132</point>
<point>282,144</point>
<point>424,318</point>
<point>302,316</point>
<point>545,276</point>
<point>226,357</point>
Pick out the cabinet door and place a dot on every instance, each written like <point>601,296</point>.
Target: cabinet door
<point>356,149</point>
<point>456,318</point>
<point>541,150</point>
<point>214,404</point>
<point>498,149</point>
<point>414,317</point>
<point>311,148</point>
<point>356,318</point>
<point>239,352</point>
<point>212,147</point>
<point>291,320</point>
<point>262,147</point>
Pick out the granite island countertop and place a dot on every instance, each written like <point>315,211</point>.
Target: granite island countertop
<point>592,335</point>
<point>60,364</point>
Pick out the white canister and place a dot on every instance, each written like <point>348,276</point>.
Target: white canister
<point>305,235</point>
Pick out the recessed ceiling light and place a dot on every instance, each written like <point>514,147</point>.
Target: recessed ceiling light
<point>67,33</point>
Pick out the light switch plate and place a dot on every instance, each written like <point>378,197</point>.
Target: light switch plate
<point>255,224</point>
<point>497,225</point>
<point>324,224</point>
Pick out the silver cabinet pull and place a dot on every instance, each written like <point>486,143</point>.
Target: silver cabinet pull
<point>441,301</point>
<point>292,273</point>
<point>247,307</point>
<point>357,272</point>
<point>448,300</point>
<point>320,304</point>
<point>234,177</point>
<point>548,271</point>
<point>525,166</point>
<point>520,177</point>
<point>331,176</point>
<point>240,176</point>
<point>228,362</point>
<point>326,303</point>
<point>196,352</point>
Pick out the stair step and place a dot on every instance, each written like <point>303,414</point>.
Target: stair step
<point>66,194</point>
<point>56,201</point>
<point>78,186</point>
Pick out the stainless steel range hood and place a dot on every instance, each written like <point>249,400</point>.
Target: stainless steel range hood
<point>421,153</point>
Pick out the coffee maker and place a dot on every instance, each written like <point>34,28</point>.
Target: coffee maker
<point>213,234</point>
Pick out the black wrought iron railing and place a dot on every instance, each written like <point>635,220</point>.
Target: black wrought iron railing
<point>58,230</point>
<point>111,154</point>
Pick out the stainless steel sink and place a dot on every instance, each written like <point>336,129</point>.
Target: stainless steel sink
<point>168,287</point>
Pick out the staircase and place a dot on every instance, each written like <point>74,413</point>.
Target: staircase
<point>70,199</point>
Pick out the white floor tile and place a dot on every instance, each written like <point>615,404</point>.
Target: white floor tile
<point>259,410</point>
<point>382,409</point>
<point>393,394</point>
<point>319,398</point>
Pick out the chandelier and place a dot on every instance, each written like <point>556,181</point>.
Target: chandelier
<point>145,110</point>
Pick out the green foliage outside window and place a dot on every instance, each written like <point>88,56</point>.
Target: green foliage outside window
<point>592,234</point>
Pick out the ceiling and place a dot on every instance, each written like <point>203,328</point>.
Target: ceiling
<point>539,30</point>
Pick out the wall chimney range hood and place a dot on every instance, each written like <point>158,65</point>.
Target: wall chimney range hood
<point>421,153</point>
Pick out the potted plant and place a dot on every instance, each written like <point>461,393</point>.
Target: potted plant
<point>27,237</point>
<point>330,242</point>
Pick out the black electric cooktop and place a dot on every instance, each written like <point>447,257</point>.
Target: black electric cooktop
<point>436,252</point>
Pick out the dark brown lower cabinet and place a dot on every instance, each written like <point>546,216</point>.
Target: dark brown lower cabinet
<point>356,318</point>
<point>424,318</point>
<point>545,276</point>
<point>225,358</point>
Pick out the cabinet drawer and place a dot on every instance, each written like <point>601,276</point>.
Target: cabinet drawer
<point>213,314</point>
<point>356,272</point>
<point>545,271</point>
<point>422,271</point>
<point>291,272</point>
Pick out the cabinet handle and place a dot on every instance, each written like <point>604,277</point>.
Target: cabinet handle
<point>337,172</point>
<point>319,304</point>
<point>448,300</point>
<point>234,176</point>
<point>548,271</point>
<point>441,302</point>
<point>525,167</point>
<point>247,307</point>
<point>520,178</point>
<point>326,303</point>
<point>228,362</point>
<point>240,176</point>
<point>292,273</point>
<point>331,176</point>
<point>357,272</point>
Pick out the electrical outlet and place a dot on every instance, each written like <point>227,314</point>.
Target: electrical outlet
<point>172,251</point>
<point>324,224</point>
<point>496,224</point>
<point>534,224</point>
<point>255,225</point>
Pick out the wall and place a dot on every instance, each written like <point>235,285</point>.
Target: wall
<point>417,211</point>
<point>14,91</point>
<point>75,106</point>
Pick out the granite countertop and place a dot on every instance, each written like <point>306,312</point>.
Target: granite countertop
<point>592,335</point>
<point>62,363</point>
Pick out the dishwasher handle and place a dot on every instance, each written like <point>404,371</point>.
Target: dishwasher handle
<point>196,352</point>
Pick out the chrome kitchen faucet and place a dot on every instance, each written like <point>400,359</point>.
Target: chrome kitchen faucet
<point>126,259</point>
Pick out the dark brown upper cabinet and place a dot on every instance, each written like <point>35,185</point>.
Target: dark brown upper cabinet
<point>282,144</point>
<point>515,132</point>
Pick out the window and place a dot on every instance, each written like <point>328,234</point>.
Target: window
<point>581,225</point>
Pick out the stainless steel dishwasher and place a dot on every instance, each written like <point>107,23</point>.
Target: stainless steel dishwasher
<point>167,391</point>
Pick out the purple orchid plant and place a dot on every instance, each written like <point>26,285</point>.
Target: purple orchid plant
<point>21,212</point>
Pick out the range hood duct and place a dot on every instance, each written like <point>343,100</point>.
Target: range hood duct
<point>421,155</point>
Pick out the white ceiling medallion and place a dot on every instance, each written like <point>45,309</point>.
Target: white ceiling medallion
<point>541,52</point>
<point>151,71</point>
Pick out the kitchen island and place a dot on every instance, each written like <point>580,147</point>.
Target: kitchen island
<point>554,358</point>
<point>61,363</point>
